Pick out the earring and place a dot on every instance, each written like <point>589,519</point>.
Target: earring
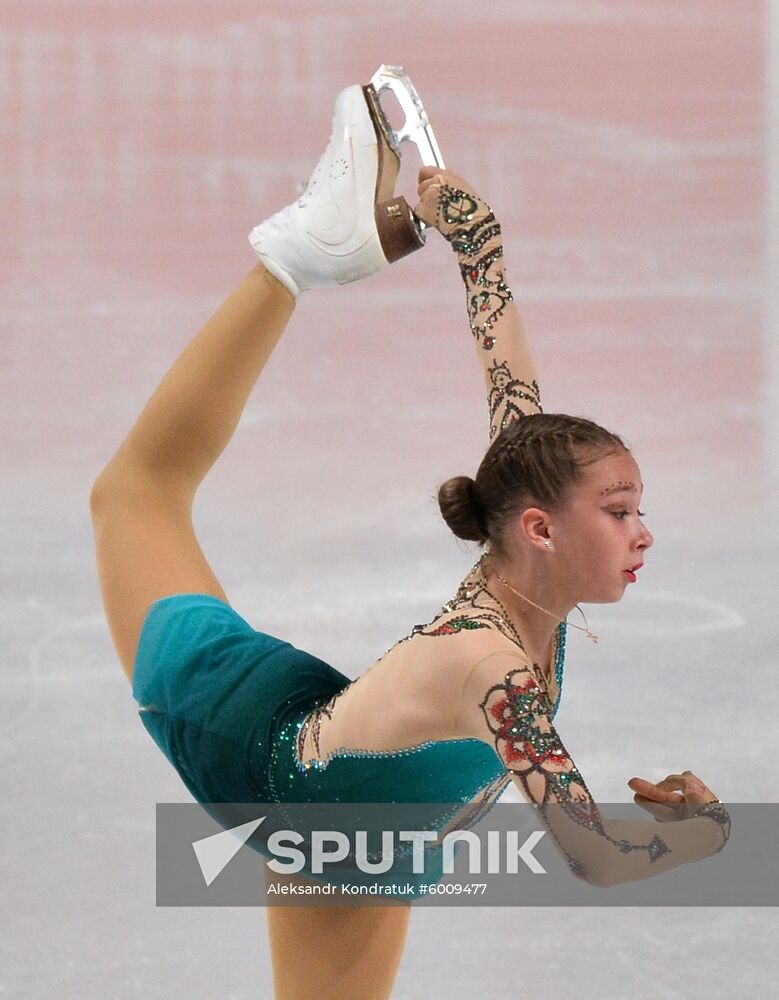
<point>547,543</point>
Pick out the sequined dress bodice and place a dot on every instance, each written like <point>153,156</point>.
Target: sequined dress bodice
<point>435,770</point>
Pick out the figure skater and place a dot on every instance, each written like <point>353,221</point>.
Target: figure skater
<point>461,706</point>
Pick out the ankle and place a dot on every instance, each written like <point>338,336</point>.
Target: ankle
<point>277,288</point>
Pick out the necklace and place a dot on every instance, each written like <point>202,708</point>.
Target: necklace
<point>586,629</point>
<point>560,636</point>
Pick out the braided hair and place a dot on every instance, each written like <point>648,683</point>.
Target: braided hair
<point>535,461</point>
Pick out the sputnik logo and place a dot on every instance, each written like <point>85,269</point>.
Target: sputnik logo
<point>216,852</point>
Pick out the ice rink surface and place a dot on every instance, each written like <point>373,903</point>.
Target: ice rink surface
<point>629,149</point>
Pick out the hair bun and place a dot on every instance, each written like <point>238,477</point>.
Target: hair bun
<point>462,510</point>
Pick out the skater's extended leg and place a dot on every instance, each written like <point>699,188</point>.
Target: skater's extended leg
<point>344,227</point>
<point>142,500</point>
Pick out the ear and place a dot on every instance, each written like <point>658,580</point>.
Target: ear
<point>535,525</point>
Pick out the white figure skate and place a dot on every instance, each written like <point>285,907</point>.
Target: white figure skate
<point>347,223</point>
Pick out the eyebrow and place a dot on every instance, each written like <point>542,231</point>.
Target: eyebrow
<point>620,489</point>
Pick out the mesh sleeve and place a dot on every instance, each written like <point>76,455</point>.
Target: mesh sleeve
<point>503,704</point>
<point>470,226</point>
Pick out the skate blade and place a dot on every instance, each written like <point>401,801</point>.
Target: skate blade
<point>416,128</point>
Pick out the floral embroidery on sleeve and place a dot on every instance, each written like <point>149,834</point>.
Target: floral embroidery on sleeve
<point>517,714</point>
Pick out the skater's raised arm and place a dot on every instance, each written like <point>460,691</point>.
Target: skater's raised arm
<point>468,223</point>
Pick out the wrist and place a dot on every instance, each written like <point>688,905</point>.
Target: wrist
<point>465,220</point>
<point>475,237</point>
<point>715,811</point>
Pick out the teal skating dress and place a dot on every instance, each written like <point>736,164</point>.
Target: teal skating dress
<point>225,704</point>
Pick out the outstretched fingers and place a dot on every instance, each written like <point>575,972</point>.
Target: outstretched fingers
<point>676,788</point>
<point>667,790</point>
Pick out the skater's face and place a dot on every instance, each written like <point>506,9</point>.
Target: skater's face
<point>598,536</point>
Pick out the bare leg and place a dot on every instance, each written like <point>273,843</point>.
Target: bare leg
<point>142,500</point>
<point>192,415</point>
<point>333,952</point>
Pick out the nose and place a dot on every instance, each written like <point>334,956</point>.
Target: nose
<point>646,539</point>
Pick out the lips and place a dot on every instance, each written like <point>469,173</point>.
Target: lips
<point>631,573</point>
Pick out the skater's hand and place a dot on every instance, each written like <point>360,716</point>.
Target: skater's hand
<point>673,798</point>
<point>450,213</point>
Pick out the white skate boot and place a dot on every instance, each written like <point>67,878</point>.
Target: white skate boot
<point>347,224</point>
